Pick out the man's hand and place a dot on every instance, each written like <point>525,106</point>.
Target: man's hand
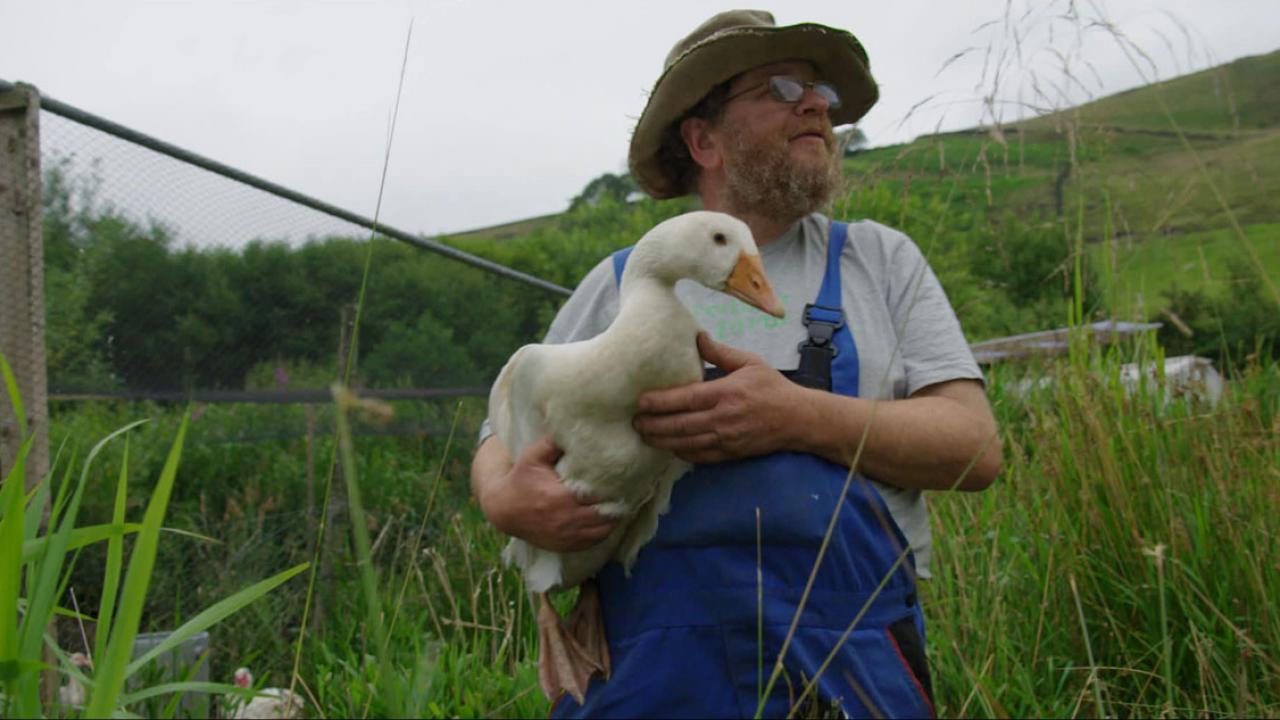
<point>530,502</point>
<point>752,411</point>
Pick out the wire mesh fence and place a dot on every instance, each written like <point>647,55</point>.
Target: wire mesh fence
<point>170,278</point>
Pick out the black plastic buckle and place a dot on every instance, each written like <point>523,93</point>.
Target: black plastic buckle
<point>822,323</point>
<point>818,350</point>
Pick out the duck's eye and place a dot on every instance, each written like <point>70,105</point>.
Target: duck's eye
<point>720,238</point>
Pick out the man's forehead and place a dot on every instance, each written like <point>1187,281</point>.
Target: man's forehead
<point>800,68</point>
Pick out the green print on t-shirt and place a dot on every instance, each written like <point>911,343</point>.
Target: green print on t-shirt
<point>732,319</point>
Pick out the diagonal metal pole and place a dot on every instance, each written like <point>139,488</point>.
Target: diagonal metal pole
<point>160,146</point>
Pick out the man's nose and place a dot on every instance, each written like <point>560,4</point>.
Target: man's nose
<point>812,102</point>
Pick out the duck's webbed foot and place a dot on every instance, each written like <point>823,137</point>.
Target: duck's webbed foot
<point>586,624</point>
<point>565,664</point>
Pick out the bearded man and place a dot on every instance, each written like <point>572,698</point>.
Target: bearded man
<point>797,540</point>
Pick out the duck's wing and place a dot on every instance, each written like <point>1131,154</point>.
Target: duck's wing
<point>515,412</point>
<point>645,523</point>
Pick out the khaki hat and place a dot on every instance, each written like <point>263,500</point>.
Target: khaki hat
<point>731,43</point>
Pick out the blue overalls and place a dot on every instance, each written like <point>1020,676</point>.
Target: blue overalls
<point>682,630</point>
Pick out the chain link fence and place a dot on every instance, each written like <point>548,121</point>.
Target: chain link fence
<point>171,277</point>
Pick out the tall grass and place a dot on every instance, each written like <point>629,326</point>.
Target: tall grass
<point>1126,562</point>
<point>37,569</point>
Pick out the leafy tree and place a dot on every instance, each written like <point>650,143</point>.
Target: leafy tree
<point>422,354</point>
<point>73,329</point>
<point>608,185</point>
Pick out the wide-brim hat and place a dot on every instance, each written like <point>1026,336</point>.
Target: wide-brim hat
<point>731,43</point>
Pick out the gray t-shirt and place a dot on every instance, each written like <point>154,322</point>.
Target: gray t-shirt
<point>906,332</point>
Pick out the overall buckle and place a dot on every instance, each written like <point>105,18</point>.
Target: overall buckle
<point>821,322</point>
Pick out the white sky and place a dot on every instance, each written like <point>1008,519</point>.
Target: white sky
<point>510,108</point>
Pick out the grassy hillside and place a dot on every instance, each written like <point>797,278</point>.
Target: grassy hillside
<point>1144,271</point>
<point>1150,204</point>
<point>1238,96</point>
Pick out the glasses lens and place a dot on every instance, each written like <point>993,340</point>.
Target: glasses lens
<point>786,89</point>
<point>790,90</point>
<point>828,92</point>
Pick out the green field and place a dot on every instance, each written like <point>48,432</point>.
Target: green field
<point>1149,204</point>
<point>1144,271</point>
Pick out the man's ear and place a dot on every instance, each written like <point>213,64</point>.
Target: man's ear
<point>703,143</point>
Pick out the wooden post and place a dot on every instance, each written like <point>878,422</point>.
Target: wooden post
<point>22,279</point>
<point>22,303</point>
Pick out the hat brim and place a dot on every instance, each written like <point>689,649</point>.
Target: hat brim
<point>837,55</point>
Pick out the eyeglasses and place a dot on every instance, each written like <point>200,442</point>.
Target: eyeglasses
<point>787,89</point>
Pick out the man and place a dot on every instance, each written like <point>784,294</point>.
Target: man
<point>883,382</point>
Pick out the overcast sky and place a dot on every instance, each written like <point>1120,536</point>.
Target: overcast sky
<point>510,108</point>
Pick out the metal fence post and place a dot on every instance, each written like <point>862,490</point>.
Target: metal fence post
<point>22,278</point>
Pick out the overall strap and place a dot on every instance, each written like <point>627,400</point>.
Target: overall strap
<point>824,319</point>
<point>620,262</point>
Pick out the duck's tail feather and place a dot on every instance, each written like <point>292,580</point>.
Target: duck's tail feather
<point>543,569</point>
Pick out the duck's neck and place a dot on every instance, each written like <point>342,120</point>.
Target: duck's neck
<point>651,344</point>
<point>649,309</point>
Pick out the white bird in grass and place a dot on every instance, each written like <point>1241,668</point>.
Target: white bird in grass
<point>268,703</point>
<point>584,394</point>
<point>73,693</point>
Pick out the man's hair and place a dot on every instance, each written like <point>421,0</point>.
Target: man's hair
<point>673,154</point>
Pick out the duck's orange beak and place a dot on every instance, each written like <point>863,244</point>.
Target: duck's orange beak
<point>748,283</point>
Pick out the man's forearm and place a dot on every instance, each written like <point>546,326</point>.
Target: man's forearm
<point>524,497</point>
<point>927,442</point>
<point>491,463</point>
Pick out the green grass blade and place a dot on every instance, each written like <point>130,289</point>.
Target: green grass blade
<point>21,687</point>
<point>111,669</point>
<point>171,707</point>
<point>214,614</point>
<point>1094,681</point>
<point>12,523</point>
<point>58,610</point>
<point>359,529</point>
<point>115,560</point>
<point>91,534</point>
<point>79,538</point>
<point>184,687</point>
<point>18,473</point>
<point>36,501</point>
<point>57,508</point>
<point>15,397</point>
<point>190,534</point>
<point>10,670</point>
<point>48,568</point>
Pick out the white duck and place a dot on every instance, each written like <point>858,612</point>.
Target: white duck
<point>584,395</point>
<point>266,703</point>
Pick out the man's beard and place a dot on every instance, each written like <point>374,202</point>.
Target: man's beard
<point>763,179</point>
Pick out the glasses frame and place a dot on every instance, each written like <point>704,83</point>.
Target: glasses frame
<point>823,88</point>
